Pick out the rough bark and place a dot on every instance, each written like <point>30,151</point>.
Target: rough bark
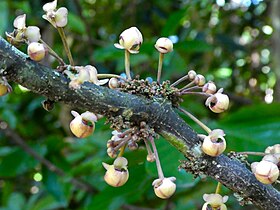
<point>159,113</point>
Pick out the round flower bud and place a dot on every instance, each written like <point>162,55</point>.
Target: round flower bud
<point>273,149</point>
<point>271,158</point>
<point>151,157</point>
<point>132,145</point>
<point>265,171</point>
<point>113,83</point>
<point>164,188</point>
<point>32,33</point>
<point>116,174</point>
<point>214,144</point>
<point>130,39</point>
<point>218,102</point>
<point>36,51</point>
<point>164,45</point>
<point>191,75</point>
<point>82,125</point>
<point>111,152</point>
<point>5,88</point>
<point>199,80</point>
<point>209,88</point>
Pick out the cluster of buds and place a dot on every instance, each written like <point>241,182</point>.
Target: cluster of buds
<point>267,170</point>
<point>217,101</point>
<point>30,35</point>
<point>83,125</point>
<point>130,137</point>
<point>214,201</point>
<point>117,174</point>
<point>214,144</point>
<point>86,73</point>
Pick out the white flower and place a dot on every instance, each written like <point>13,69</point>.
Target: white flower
<point>57,17</point>
<point>218,102</point>
<point>130,39</point>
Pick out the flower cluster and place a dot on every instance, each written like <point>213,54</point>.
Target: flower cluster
<point>126,134</point>
<point>267,170</point>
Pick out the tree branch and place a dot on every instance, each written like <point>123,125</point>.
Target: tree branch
<point>158,113</point>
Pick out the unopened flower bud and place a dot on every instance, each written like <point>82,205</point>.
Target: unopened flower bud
<point>199,80</point>
<point>32,33</point>
<point>113,83</point>
<point>265,171</point>
<point>130,39</point>
<point>218,102</point>
<point>164,45</point>
<point>271,158</point>
<point>164,188</point>
<point>5,88</point>
<point>111,152</point>
<point>83,125</point>
<point>191,75</point>
<point>214,144</point>
<point>151,157</point>
<point>116,174</point>
<point>209,88</point>
<point>132,145</point>
<point>273,149</point>
<point>36,51</point>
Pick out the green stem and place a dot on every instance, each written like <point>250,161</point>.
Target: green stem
<point>218,188</point>
<point>127,64</point>
<point>160,61</point>
<point>159,169</point>
<point>53,53</point>
<point>201,124</point>
<point>122,151</point>
<point>66,46</point>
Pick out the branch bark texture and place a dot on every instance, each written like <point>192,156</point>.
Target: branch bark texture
<point>158,113</point>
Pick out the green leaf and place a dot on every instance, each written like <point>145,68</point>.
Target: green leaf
<point>16,201</point>
<point>54,187</point>
<point>76,24</point>
<point>169,158</point>
<point>3,17</point>
<point>193,46</point>
<point>252,128</point>
<point>173,22</point>
<point>18,162</point>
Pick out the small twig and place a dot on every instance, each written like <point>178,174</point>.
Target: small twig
<point>201,124</point>
<point>66,46</point>
<point>196,93</point>
<point>160,62</point>
<point>257,153</point>
<point>159,169</point>
<point>179,80</point>
<point>21,143</point>
<point>53,53</point>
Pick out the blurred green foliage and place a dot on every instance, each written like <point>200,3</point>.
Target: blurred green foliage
<point>230,44</point>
